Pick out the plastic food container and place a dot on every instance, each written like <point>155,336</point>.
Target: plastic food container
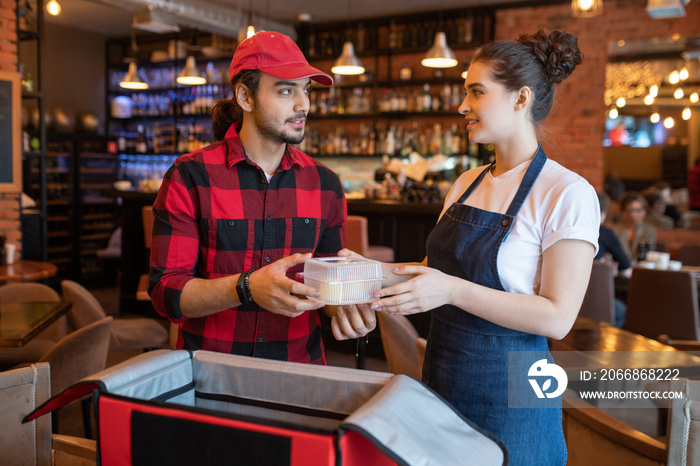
<point>342,280</point>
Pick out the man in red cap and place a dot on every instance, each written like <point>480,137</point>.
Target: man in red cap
<point>235,220</point>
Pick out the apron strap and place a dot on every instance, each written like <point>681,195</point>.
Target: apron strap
<point>474,184</point>
<point>533,171</point>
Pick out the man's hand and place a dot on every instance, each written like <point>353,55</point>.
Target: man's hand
<point>271,289</point>
<point>351,321</point>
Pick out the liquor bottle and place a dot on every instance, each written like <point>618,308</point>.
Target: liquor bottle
<point>426,99</point>
<point>141,142</point>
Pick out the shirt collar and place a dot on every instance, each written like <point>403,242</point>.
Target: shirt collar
<point>236,153</point>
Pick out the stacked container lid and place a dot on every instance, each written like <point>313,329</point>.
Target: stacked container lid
<point>343,280</point>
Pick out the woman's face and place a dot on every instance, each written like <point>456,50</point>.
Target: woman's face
<point>488,106</point>
<point>634,213</point>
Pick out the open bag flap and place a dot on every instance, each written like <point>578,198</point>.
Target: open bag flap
<point>306,386</point>
<point>148,376</point>
<point>414,425</point>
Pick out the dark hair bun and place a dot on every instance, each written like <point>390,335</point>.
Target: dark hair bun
<point>557,51</point>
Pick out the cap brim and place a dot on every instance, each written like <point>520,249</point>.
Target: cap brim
<point>299,71</point>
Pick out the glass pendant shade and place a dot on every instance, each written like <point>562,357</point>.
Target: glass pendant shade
<point>132,80</point>
<point>586,8</point>
<point>190,75</point>
<point>348,63</point>
<point>440,54</point>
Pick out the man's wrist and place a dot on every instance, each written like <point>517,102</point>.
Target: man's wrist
<point>243,287</point>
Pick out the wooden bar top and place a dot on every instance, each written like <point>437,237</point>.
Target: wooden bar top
<point>22,271</point>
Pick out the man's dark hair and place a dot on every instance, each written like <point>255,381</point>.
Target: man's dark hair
<point>228,112</point>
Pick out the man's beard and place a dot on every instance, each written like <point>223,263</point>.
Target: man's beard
<point>267,127</point>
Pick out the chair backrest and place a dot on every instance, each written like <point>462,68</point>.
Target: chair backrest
<point>78,355</point>
<point>30,291</point>
<point>399,342</point>
<point>21,391</point>
<point>356,238</point>
<point>594,437</point>
<point>85,308</point>
<point>690,255</point>
<point>663,302</point>
<point>599,301</point>
<point>148,220</point>
<point>684,424</point>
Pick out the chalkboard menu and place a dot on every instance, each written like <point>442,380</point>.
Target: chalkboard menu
<point>10,149</point>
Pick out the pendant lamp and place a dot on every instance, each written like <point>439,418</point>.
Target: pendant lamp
<point>189,74</point>
<point>586,8</point>
<point>347,63</point>
<point>440,54</point>
<point>53,8</point>
<point>132,80</point>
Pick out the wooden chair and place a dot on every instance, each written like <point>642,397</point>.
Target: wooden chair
<point>599,301</point>
<point>690,255</point>
<point>399,339</point>
<point>37,346</point>
<point>148,220</point>
<point>127,333</point>
<point>663,302</point>
<point>22,390</point>
<point>593,437</point>
<point>356,239</point>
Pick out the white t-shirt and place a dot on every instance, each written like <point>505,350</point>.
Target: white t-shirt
<point>561,205</point>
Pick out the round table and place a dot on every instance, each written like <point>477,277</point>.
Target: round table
<point>23,271</point>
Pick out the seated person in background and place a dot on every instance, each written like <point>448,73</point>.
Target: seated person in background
<point>655,210</point>
<point>631,231</point>
<point>610,246</point>
<point>664,188</point>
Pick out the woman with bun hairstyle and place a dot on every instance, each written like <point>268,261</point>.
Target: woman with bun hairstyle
<point>509,260</point>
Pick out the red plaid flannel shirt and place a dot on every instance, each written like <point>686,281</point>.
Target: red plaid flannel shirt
<point>216,215</point>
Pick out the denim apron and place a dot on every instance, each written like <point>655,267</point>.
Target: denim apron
<point>467,357</point>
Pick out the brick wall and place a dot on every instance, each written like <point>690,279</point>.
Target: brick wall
<point>577,122</point>
<point>9,201</point>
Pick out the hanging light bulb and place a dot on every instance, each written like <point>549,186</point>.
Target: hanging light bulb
<point>190,75</point>
<point>53,8</point>
<point>678,93</point>
<point>668,123</point>
<point>466,70</point>
<point>674,77</point>
<point>694,97</point>
<point>654,90</point>
<point>648,99</point>
<point>347,63</point>
<point>586,8</point>
<point>685,114</point>
<point>440,54</point>
<point>132,80</point>
<point>655,117</point>
<point>621,102</point>
<point>613,113</point>
<point>683,74</point>
<point>250,31</point>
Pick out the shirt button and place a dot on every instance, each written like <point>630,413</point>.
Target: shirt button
<point>268,218</point>
<point>306,220</point>
<point>504,222</point>
<point>231,223</point>
<point>261,339</point>
<point>267,259</point>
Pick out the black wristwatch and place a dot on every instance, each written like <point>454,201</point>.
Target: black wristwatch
<point>243,287</point>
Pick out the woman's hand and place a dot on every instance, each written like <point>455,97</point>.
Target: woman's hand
<point>428,289</point>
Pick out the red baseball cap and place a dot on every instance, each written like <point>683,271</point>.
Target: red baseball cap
<point>277,55</point>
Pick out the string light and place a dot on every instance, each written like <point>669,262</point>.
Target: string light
<point>694,97</point>
<point>649,99</point>
<point>678,93</point>
<point>683,74</point>
<point>655,117</point>
<point>674,77</point>
<point>654,90</point>
<point>53,7</point>
<point>621,102</point>
<point>613,113</point>
<point>668,123</point>
<point>686,113</point>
